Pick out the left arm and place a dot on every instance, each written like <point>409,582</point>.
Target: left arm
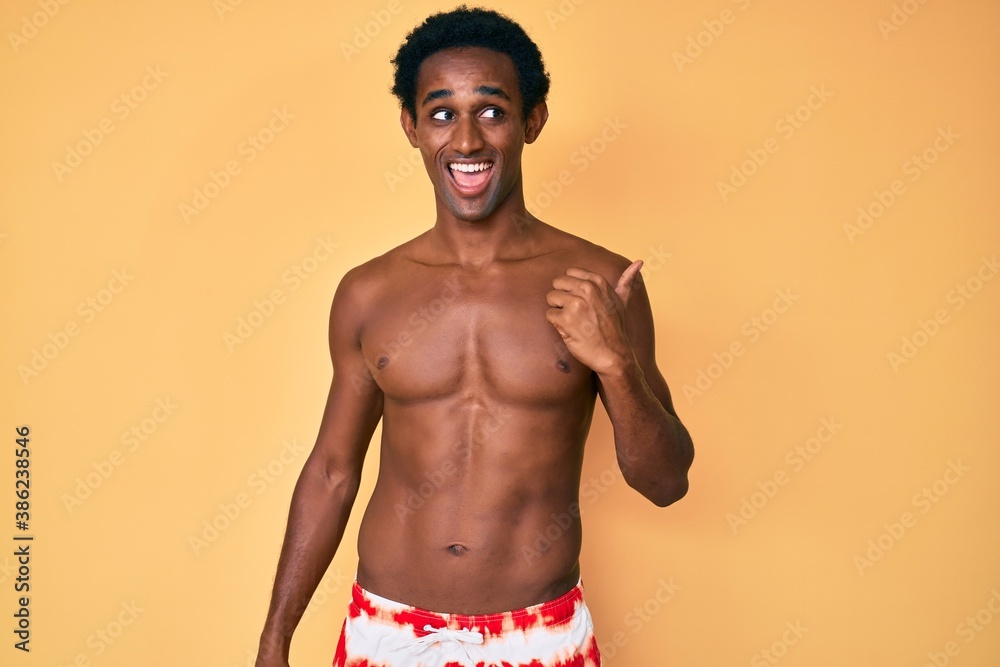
<point>653,448</point>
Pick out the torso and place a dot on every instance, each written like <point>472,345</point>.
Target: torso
<point>485,416</point>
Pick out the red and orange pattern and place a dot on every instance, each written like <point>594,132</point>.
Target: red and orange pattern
<point>382,633</point>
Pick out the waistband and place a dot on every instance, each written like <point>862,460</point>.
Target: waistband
<point>554,613</point>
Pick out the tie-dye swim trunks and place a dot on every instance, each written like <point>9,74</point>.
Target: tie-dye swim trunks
<point>382,633</point>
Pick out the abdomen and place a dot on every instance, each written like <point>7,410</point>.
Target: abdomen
<point>475,507</point>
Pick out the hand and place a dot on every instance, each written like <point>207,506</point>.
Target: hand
<point>590,316</point>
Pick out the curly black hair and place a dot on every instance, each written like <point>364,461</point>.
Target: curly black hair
<point>470,27</point>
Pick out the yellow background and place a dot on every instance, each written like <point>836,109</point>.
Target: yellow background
<point>663,132</point>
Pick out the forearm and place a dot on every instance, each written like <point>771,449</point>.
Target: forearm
<point>653,448</point>
<point>319,510</point>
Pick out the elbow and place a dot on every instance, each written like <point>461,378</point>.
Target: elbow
<point>668,494</point>
<point>328,477</point>
<point>674,486</point>
<point>663,492</point>
<point>666,485</point>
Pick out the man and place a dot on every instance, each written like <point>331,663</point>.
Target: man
<point>482,345</point>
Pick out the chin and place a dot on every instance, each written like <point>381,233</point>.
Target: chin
<point>473,214</point>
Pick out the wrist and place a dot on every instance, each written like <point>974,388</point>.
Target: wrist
<point>624,368</point>
<point>274,644</point>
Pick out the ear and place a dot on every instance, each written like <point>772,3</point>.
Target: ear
<point>535,122</point>
<point>409,125</point>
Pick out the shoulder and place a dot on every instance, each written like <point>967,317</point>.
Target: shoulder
<point>378,272</point>
<point>584,254</point>
<point>362,286</point>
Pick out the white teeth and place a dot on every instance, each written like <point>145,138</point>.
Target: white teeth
<point>469,168</point>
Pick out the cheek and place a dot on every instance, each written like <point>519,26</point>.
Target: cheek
<point>512,154</point>
<point>431,142</point>
<point>427,155</point>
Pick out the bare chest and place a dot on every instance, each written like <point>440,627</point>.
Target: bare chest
<point>443,333</point>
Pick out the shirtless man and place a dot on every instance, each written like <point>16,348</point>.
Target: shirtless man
<point>482,345</point>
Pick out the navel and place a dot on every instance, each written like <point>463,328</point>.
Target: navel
<point>457,550</point>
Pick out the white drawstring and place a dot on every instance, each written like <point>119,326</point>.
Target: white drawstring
<point>436,635</point>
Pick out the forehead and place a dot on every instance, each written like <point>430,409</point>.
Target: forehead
<point>464,69</point>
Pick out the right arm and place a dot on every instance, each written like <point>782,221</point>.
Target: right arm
<point>328,484</point>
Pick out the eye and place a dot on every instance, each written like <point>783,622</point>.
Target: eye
<point>442,114</point>
<point>493,112</point>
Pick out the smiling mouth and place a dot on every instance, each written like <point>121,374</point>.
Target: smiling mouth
<point>470,177</point>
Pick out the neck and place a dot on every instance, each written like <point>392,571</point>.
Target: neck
<point>508,232</point>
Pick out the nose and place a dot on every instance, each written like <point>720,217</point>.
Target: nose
<point>467,137</point>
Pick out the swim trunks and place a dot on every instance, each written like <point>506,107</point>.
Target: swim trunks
<point>382,633</point>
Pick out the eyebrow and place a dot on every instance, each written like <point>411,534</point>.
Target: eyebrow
<point>490,91</point>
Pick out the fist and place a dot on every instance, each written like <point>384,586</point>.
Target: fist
<point>589,315</point>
